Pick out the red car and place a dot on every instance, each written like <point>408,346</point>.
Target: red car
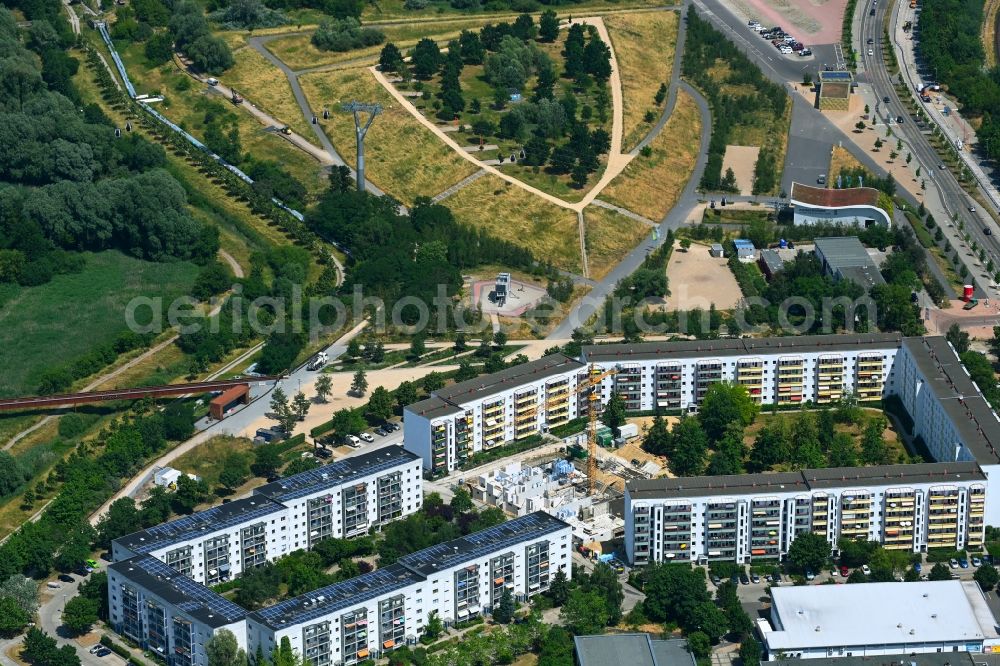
<point>844,571</point>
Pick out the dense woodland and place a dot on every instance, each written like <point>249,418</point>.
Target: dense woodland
<point>949,42</point>
<point>704,49</point>
<point>66,182</point>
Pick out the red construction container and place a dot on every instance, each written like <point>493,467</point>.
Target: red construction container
<point>967,293</point>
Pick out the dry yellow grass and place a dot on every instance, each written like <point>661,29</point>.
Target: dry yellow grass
<point>610,236</point>
<point>297,51</point>
<point>840,159</point>
<point>267,87</point>
<point>989,32</point>
<point>650,186</point>
<point>402,157</point>
<point>644,47</point>
<point>511,213</point>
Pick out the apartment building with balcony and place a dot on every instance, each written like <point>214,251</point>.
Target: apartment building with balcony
<point>342,499</point>
<point>167,613</point>
<point>748,517</point>
<point>369,616</point>
<point>492,410</point>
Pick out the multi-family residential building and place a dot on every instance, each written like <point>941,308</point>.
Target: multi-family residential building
<point>351,621</point>
<point>343,499</point>
<point>368,616</point>
<point>746,517</point>
<point>166,612</point>
<point>486,412</point>
<point>948,411</point>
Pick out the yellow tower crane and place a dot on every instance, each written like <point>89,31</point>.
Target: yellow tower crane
<point>592,387</point>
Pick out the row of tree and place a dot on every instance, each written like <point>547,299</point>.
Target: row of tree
<point>763,105</point>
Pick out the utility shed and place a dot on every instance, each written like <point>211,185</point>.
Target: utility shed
<point>845,258</point>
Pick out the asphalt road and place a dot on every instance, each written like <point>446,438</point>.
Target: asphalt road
<point>954,198</point>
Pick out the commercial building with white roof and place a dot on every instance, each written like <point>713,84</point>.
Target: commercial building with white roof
<point>819,621</point>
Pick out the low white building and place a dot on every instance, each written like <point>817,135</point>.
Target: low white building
<point>343,499</point>
<point>873,619</point>
<point>167,613</point>
<point>849,206</point>
<point>168,476</point>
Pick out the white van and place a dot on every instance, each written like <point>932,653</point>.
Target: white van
<point>212,81</point>
<point>353,441</point>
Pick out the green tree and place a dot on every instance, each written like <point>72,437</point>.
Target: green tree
<point>359,385</point>
<point>406,394</point>
<point>548,26</point>
<point>79,615</point>
<point>807,452</point>
<point>504,612</point>
<point>585,612</point>
<point>688,448</point>
<point>380,404</point>
<point>808,551</point>
<point>353,350</point>
<point>391,60</point>
<point>559,589</point>
<point>434,626</point>
<point>284,655</point>
<point>324,387</point>
<point>347,422</point>
<point>770,447</point>
<point>939,572</point>
<point>279,400</point>
<point>726,403</point>
<point>750,652</point>
<point>729,453</point>
<point>987,577</point>
<point>189,494</point>
<point>266,461</point>
<point>432,381</point>
<point>426,59</point>
<point>657,439</point>
<point>461,502</point>
<point>958,338</point>
<point>614,414</point>
<point>700,645</point>
<point>710,619</point>
<point>235,471</point>
<point>842,451</point>
<point>121,518</point>
<point>604,580</point>
<point>223,650</point>
<point>873,449</point>
<point>857,576</point>
<point>300,405</point>
<point>418,347</point>
<point>13,619</point>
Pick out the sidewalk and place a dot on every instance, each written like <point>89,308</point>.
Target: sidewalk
<point>953,125</point>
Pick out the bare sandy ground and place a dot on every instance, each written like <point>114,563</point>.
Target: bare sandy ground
<point>741,159</point>
<point>697,279</point>
<point>810,21</point>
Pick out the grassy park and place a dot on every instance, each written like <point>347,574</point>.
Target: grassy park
<point>56,322</point>
<point>401,156</point>
<point>644,46</point>
<point>516,215</point>
<point>610,236</point>
<point>651,184</point>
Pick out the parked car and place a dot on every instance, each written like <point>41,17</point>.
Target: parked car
<point>95,648</point>
<point>976,562</point>
<point>323,452</point>
<point>917,567</point>
<point>367,436</point>
<point>805,52</point>
<point>866,570</point>
<point>744,579</point>
<point>103,652</point>
<point>810,575</point>
<point>964,563</point>
<point>716,580</point>
<point>66,578</point>
<point>381,432</point>
<point>953,563</point>
<point>353,441</point>
<point>754,578</point>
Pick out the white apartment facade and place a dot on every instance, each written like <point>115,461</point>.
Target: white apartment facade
<point>342,499</point>
<point>369,616</point>
<point>489,411</point>
<point>745,517</point>
<point>167,613</point>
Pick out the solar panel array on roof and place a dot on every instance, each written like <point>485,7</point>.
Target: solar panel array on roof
<point>336,473</point>
<point>187,595</point>
<point>339,596</point>
<point>204,522</point>
<point>451,553</point>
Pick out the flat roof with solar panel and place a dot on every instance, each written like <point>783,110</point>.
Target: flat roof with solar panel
<point>345,595</point>
<point>204,522</point>
<point>336,473</point>
<point>453,553</point>
<point>193,599</point>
